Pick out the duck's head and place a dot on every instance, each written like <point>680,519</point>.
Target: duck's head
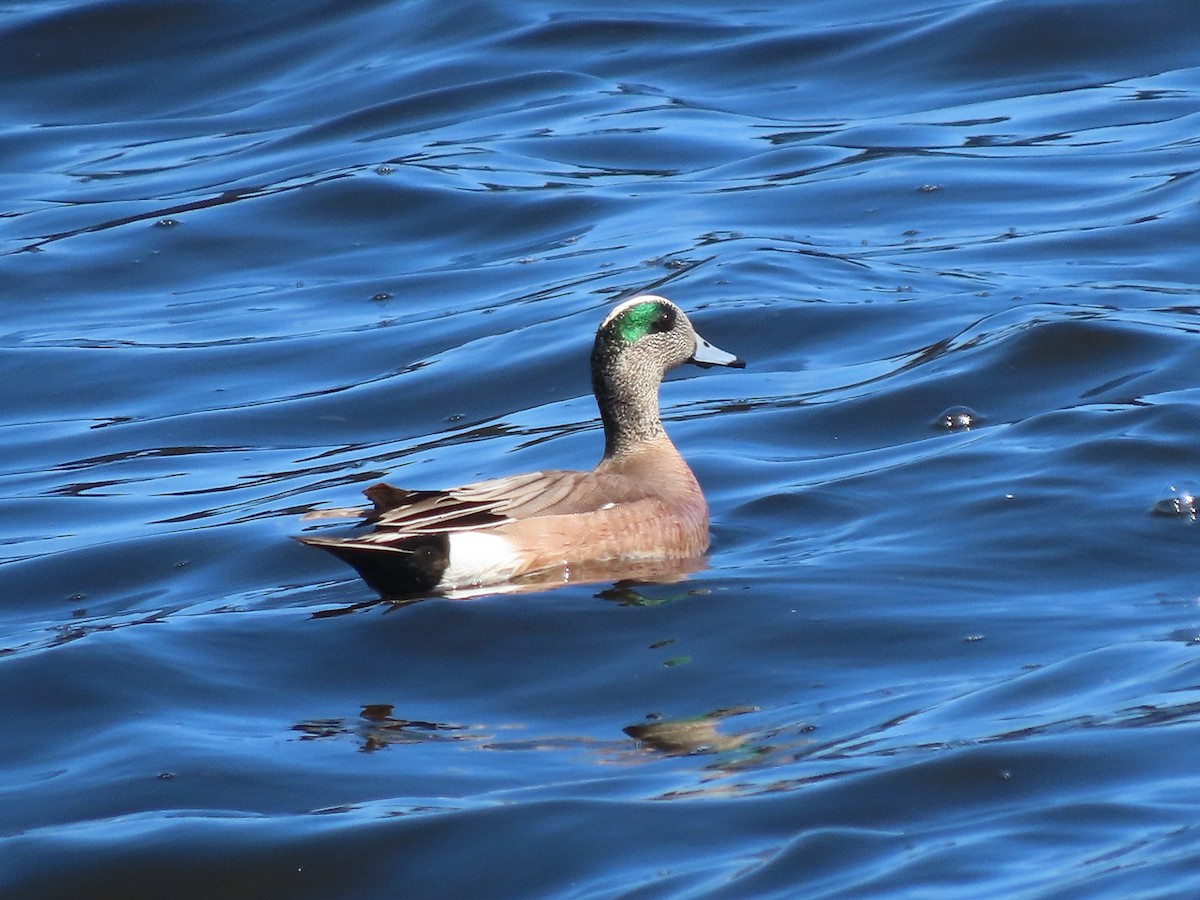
<point>651,333</point>
<point>636,345</point>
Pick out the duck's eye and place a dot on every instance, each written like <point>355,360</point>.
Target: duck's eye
<point>664,321</point>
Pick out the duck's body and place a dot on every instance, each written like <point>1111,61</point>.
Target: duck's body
<point>641,502</point>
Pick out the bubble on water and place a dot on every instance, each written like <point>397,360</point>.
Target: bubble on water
<point>1177,503</point>
<point>167,223</point>
<point>957,418</point>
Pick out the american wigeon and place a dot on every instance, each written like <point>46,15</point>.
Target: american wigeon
<point>640,503</point>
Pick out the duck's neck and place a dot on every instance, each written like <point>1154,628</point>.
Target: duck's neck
<point>628,409</point>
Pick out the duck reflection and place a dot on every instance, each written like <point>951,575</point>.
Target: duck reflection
<point>695,735</point>
<point>626,579</point>
<point>377,727</point>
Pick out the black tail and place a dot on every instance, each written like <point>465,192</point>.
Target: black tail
<point>411,567</point>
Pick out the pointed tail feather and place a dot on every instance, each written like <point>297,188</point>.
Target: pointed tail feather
<point>411,567</point>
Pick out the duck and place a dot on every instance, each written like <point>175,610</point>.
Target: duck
<point>641,502</point>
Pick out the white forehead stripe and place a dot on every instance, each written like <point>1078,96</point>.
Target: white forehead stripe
<point>634,301</point>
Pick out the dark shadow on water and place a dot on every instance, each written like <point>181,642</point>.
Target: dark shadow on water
<point>388,606</point>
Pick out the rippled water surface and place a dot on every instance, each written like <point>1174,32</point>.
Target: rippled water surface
<point>255,257</point>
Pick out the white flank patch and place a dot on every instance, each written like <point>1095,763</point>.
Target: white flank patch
<point>479,558</point>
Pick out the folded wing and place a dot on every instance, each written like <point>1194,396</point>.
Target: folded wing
<point>489,504</point>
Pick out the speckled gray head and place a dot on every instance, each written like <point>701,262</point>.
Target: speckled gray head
<point>657,327</point>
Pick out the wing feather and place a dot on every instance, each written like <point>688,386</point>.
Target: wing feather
<point>497,501</point>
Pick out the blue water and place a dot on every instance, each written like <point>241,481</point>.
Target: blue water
<point>255,257</point>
